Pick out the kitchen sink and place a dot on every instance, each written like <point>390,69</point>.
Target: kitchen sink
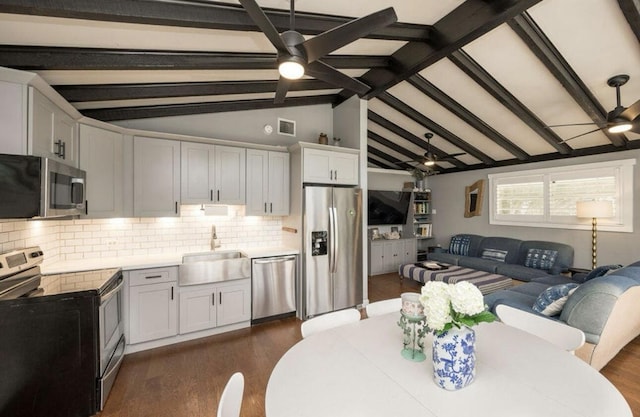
<point>205,267</point>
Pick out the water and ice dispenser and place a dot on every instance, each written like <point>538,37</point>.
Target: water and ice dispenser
<point>319,243</point>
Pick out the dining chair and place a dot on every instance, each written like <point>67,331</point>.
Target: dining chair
<point>564,336</point>
<point>329,321</point>
<point>378,308</point>
<point>231,398</point>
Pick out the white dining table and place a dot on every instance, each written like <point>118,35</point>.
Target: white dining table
<point>357,370</point>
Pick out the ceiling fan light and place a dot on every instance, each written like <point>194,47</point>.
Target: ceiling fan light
<point>621,127</point>
<point>291,69</point>
<point>429,162</point>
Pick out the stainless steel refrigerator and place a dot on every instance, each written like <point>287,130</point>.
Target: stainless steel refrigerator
<point>332,251</point>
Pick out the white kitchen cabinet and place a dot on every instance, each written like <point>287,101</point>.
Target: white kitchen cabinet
<point>208,306</point>
<point>330,167</point>
<point>13,118</point>
<point>52,132</point>
<point>267,183</point>
<point>153,305</point>
<point>387,255</point>
<point>212,174</point>
<point>156,177</point>
<point>102,157</point>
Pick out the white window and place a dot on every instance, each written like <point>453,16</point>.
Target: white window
<point>548,197</point>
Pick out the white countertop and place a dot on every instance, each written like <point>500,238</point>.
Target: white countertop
<point>150,261</point>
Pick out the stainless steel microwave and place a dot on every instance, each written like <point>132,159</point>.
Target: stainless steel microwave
<point>31,186</point>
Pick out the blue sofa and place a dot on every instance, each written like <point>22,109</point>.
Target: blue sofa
<point>523,260</point>
<point>605,307</point>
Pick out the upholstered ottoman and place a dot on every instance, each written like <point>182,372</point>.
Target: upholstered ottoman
<point>485,281</point>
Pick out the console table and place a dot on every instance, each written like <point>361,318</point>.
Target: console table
<point>357,370</point>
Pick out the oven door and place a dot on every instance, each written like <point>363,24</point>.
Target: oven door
<point>111,326</point>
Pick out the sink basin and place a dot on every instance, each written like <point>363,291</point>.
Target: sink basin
<point>206,267</point>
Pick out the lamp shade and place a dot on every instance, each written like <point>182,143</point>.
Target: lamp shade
<point>594,208</point>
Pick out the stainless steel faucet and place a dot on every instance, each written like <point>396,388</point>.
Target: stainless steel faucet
<point>215,242</point>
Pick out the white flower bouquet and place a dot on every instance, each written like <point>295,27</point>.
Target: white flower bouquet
<point>449,305</point>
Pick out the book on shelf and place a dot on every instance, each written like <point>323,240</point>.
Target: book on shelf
<point>424,230</point>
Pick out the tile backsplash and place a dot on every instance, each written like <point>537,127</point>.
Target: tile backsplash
<point>63,240</point>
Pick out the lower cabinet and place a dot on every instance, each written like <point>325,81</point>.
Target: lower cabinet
<point>207,306</point>
<point>386,255</point>
<point>153,304</point>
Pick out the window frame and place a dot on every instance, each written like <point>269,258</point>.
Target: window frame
<point>623,222</point>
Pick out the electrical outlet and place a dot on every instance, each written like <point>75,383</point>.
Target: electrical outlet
<point>433,211</point>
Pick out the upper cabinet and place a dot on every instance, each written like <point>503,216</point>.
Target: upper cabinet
<point>212,174</point>
<point>102,157</point>
<point>52,132</point>
<point>267,183</point>
<point>330,166</point>
<point>156,177</point>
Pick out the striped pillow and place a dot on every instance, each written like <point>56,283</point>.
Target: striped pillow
<point>494,255</point>
<point>541,258</point>
<point>459,245</point>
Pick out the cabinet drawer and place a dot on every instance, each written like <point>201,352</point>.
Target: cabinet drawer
<point>152,276</point>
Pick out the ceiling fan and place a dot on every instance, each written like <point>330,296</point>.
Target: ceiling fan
<point>620,119</point>
<point>297,56</point>
<point>429,158</point>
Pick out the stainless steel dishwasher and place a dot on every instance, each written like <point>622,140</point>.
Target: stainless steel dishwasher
<point>273,282</point>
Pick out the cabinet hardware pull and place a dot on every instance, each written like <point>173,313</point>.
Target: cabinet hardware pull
<point>213,298</point>
<point>86,207</point>
<point>153,276</point>
<point>331,174</point>
<point>218,198</point>
<point>211,198</point>
<point>176,207</point>
<point>270,207</point>
<point>335,175</point>
<point>172,292</point>
<point>265,207</point>
<point>58,148</point>
<point>220,298</point>
<point>64,152</point>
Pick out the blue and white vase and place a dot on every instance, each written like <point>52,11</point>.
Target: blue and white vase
<point>454,358</point>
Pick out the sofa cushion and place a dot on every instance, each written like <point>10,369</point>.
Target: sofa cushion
<point>551,300</point>
<point>511,246</point>
<point>447,258</point>
<point>563,260</point>
<point>540,258</point>
<point>494,254</point>
<point>597,272</point>
<point>519,272</point>
<point>478,264</point>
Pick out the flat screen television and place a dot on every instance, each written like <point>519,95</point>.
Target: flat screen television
<point>388,207</point>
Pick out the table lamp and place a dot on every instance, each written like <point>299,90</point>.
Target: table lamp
<point>594,209</point>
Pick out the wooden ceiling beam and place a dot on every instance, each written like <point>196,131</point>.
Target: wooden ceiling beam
<point>379,154</point>
<point>463,61</point>
<point>199,14</point>
<point>380,164</point>
<point>394,146</point>
<point>465,115</point>
<point>34,58</point>
<point>106,92</point>
<point>533,36</point>
<point>434,127</point>
<point>631,11</point>
<point>143,112</point>
<point>410,137</point>
<point>465,23</point>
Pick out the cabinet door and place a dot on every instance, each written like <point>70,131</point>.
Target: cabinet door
<point>410,254</point>
<point>152,312</point>
<point>278,193</point>
<point>376,258</point>
<point>393,255</point>
<point>64,131</point>
<point>257,182</point>
<point>197,308</point>
<point>156,177</point>
<point>197,173</point>
<point>102,156</point>
<point>317,166</point>
<point>234,302</point>
<point>13,118</point>
<point>345,168</point>
<point>230,175</point>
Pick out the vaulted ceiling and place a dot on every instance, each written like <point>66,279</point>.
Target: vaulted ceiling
<point>487,78</point>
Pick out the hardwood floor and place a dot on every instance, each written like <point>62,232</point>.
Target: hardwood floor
<point>187,379</point>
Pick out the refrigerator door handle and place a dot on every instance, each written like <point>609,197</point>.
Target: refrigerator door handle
<point>333,226</point>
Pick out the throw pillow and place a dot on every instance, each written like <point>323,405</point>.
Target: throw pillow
<point>459,245</point>
<point>494,255</point>
<point>541,258</point>
<point>600,271</point>
<point>553,299</point>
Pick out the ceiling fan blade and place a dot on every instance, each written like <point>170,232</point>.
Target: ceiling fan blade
<point>336,38</point>
<point>262,21</point>
<point>580,135</point>
<point>281,90</point>
<point>451,156</point>
<point>632,112</point>
<point>570,124</point>
<point>327,73</point>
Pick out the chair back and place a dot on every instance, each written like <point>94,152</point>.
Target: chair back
<point>329,321</point>
<point>379,308</point>
<point>564,336</point>
<point>231,398</point>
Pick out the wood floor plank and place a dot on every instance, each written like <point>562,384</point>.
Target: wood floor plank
<point>187,379</point>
